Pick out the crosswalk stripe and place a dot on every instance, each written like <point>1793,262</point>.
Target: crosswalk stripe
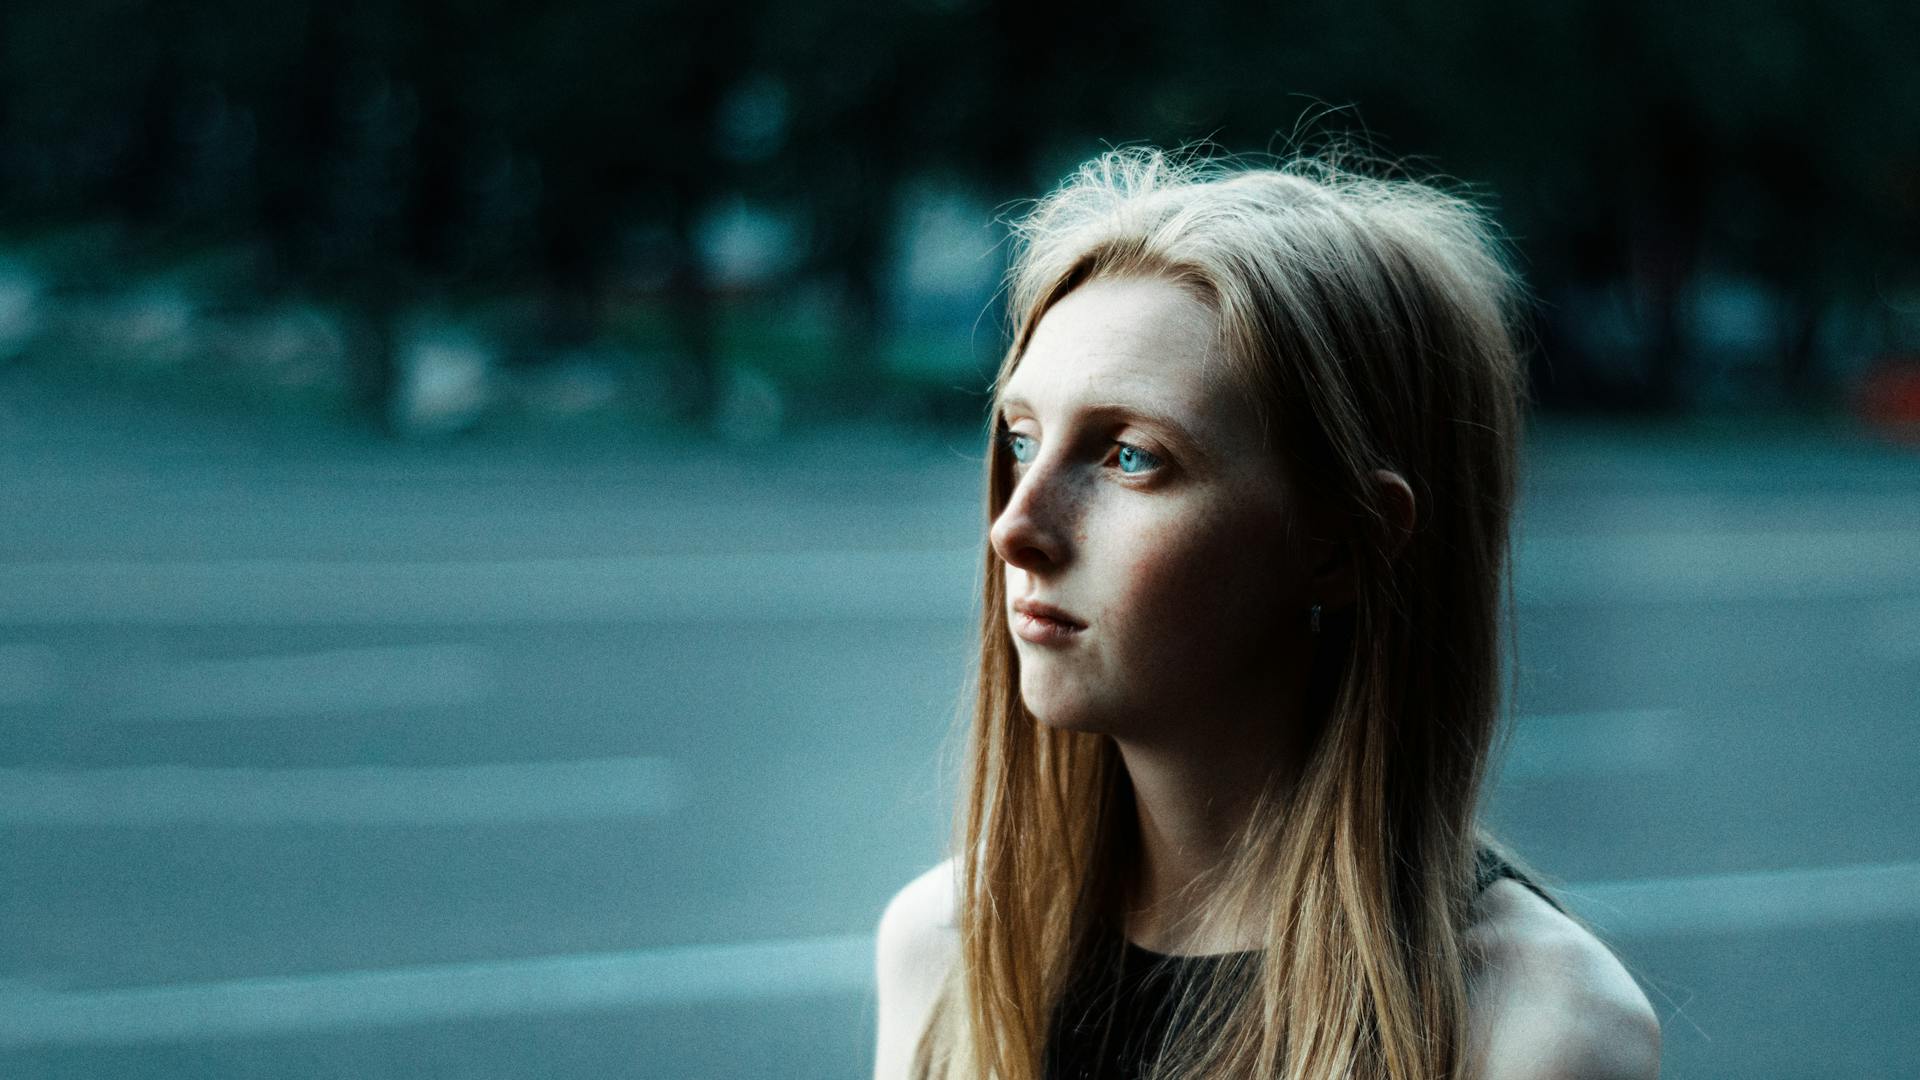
<point>160,795</point>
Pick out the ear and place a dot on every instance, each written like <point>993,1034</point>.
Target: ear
<point>1396,503</point>
<point>1333,577</point>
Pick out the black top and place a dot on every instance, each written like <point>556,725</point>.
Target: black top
<point>1117,1014</point>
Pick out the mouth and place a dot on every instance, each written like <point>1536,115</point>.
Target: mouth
<point>1034,609</point>
<point>1044,624</point>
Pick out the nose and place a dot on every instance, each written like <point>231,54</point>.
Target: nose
<point>1031,530</point>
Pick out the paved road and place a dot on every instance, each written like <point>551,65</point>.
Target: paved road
<point>320,757</point>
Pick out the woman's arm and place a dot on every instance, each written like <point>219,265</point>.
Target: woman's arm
<point>1549,1001</point>
<point>917,945</point>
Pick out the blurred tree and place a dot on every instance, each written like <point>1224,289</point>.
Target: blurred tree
<point>401,155</point>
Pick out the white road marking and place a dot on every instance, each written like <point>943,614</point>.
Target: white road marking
<point>29,675</point>
<point>1677,567</point>
<point>31,1016</point>
<point>299,1003</point>
<point>1750,901</point>
<point>365,795</point>
<point>1709,566</point>
<point>657,588</point>
<point>1623,742</point>
<point>310,684</point>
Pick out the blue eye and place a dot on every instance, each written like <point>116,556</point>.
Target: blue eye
<point>1134,461</point>
<point>1020,446</point>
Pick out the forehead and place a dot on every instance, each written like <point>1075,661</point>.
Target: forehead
<point>1142,342</point>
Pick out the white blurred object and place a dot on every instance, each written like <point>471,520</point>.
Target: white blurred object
<point>293,345</point>
<point>443,381</point>
<point>577,382</point>
<point>300,345</point>
<point>153,326</point>
<point>20,308</point>
<point>743,243</point>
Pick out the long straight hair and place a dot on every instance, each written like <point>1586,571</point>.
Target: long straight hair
<point>1372,322</point>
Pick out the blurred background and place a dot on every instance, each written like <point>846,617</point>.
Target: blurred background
<point>491,499</point>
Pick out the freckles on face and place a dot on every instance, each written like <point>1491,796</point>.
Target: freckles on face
<point>1180,572</point>
<point>1200,602</point>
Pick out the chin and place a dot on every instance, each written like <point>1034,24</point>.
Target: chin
<point>1066,711</point>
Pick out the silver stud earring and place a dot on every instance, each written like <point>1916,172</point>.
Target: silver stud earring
<point>1316,618</point>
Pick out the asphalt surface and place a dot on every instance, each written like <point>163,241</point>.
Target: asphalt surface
<point>597,757</point>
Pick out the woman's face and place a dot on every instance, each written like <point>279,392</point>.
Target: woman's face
<point>1147,507</point>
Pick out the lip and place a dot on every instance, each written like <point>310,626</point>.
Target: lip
<point>1038,610</point>
<point>1044,624</point>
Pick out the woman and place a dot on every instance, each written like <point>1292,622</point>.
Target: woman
<point>1249,490</point>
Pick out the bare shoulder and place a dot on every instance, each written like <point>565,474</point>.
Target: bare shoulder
<point>917,945</point>
<point>1548,1000</point>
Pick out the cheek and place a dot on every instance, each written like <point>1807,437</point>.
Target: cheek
<point>1210,586</point>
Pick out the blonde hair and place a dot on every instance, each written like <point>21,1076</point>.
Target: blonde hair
<point>1372,321</point>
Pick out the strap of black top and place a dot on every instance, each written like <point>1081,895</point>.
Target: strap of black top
<point>1489,867</point>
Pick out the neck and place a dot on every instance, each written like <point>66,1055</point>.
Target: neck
<point>1196,784</point>
<point>1192,805</point>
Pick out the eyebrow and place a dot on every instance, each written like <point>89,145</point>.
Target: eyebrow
<point>1172,429</point>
